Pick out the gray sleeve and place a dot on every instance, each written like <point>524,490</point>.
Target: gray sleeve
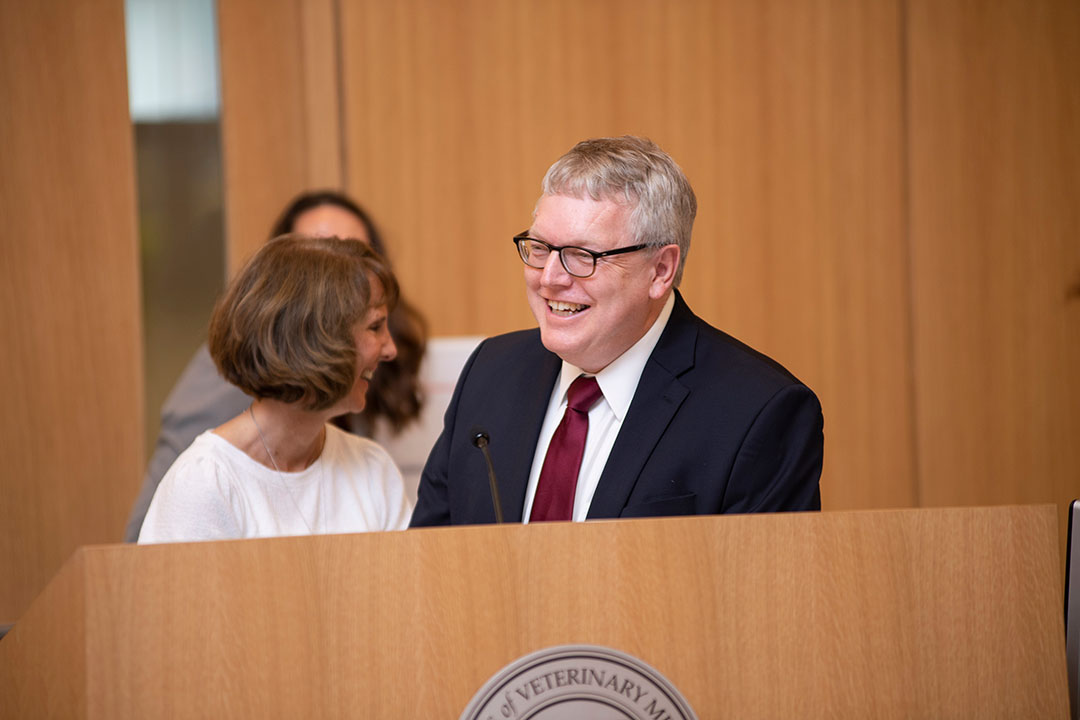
<point>200,400</point>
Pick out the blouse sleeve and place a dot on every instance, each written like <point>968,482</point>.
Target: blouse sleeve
<point>193,502</point>
<point>397,510</point>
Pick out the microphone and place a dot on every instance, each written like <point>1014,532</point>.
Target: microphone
<point>481,440</point>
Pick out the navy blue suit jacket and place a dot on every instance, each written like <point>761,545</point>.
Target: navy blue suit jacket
<point>714,427</point>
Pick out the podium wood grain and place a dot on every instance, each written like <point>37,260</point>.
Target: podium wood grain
<point>887,614</point>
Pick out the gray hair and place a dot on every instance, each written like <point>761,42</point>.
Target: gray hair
<point>634,171</point>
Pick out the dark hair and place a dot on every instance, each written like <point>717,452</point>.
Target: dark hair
<point>318,198</point>
<point>284,327</point>
<point>395,390</point>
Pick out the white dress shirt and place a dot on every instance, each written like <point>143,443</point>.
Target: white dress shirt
<point>618,381</point>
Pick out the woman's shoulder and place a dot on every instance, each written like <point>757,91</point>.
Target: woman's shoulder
<point>343,442</point>
<point>211,464</point>
<point>211,447</point>
<point>353,451</point>
<point>201,448</point>
<point>197,497</point>
<point>365,466</point>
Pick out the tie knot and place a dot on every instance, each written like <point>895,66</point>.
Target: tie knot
<point>583,394</point>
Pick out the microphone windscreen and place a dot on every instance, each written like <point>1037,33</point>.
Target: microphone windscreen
<point>479,437</point>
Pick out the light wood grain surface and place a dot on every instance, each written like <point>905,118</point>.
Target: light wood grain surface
<point>71,360</point>
<point>888,614</point>
<point>280,123</point>
<point>995,152</point>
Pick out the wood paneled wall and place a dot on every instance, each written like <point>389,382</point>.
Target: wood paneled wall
<point>281,130</point>
<point>871,177</point>
<point>995,248</point>
<point>70,367</point>
<point>786,118</point>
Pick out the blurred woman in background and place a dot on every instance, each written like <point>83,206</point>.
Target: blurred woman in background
<point>395,392</point>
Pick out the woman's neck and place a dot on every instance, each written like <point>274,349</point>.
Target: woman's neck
<point>279,435</point>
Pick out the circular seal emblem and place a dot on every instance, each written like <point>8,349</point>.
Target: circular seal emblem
<point>578,682</point>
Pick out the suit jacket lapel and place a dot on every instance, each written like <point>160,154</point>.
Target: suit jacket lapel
<point>515,454</point>
<point>658,397</point>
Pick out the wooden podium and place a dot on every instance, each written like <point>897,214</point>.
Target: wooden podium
<point>885,614</point>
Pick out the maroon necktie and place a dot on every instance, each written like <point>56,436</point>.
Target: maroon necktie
<point>558,477</point>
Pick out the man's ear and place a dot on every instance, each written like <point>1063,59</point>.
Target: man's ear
<point>665,263</point>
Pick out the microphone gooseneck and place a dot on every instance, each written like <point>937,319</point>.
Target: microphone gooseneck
<point>481,440</point>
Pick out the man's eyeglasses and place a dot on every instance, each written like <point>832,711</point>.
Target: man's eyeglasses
<point>578,261</point>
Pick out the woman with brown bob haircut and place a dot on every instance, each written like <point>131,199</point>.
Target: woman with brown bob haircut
<point>201,399</point>
<point>301,330</point>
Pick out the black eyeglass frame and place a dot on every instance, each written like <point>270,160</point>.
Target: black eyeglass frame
<point>524,235</point>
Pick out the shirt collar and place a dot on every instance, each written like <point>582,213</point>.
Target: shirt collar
<point>619,380</point>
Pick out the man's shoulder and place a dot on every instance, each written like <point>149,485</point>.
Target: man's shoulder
<point>504,366</point>
<point>725,358</point>
<point>518,339</point>
<point>738,351</point>
<point>524,344</point>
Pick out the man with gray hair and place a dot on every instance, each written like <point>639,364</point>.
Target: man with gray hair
<point>622,403</point>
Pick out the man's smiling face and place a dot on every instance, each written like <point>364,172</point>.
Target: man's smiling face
<point>589,322</point>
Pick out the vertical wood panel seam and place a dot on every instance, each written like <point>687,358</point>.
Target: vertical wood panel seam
<point>906,234</point>
<point>227,170</point>
<point>226,247</point>
<point>339,85</point>
<point>301,28</point>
